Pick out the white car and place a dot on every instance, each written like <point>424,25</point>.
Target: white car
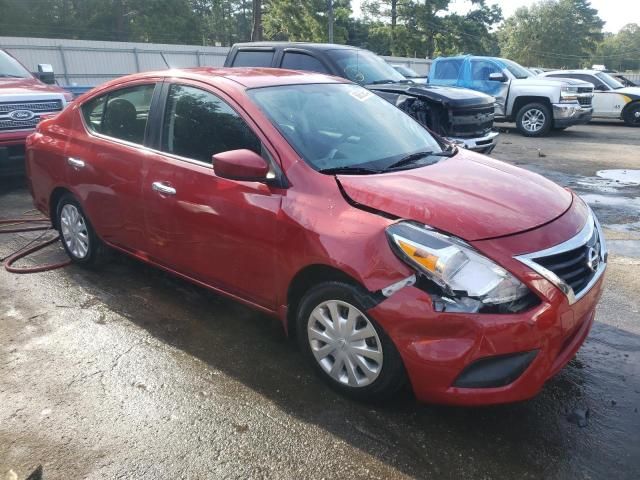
<point>611,99</point>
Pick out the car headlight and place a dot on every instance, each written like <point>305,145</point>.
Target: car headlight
<point>568,94</point>
<point>466,278</point>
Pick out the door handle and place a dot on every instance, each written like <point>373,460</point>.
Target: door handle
<point>75,162</point>
<point>162,188</point>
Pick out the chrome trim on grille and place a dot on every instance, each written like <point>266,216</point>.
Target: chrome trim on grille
<point>580,240</point>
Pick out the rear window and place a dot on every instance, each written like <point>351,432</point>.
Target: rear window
<point>253,58</point>
<point>447,69</point>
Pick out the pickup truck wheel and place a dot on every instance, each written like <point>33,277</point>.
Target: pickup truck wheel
<point>534,120</point>
<point>632,115</point>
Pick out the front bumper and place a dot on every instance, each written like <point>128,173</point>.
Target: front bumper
<point>568,114</point>
<point>484,144</point>
<point>12,152</point>
<point>450,356</point>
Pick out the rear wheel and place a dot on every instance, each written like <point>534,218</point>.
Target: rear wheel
<point>76,233</point>
<point>632,115</point>
<point>346,346</point>
<point>534,120</point>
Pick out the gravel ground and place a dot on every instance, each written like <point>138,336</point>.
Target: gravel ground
<point>127,372</point>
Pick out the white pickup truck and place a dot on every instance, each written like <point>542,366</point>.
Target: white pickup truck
<point>535,104</point>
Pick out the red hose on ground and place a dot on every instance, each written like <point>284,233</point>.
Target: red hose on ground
<point>24,251</point>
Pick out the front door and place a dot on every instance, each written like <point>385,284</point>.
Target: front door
<point>221,232</point>
<point>480,71</point>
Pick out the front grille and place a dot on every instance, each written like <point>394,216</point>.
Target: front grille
<point>584,101</point>
<point>18,124</point>
<point>44,106</point>
<point>472,121</point>
<point>574,265</point>
<point>585,90</point>
<point>37,109</point>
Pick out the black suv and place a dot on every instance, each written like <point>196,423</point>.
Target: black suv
<point>460,115</point>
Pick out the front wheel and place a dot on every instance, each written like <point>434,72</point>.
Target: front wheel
<point>350,351</point>
<point>76,233</point>
<point>534,120</point>
<point>631,115</point>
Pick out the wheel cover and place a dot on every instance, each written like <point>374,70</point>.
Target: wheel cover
<point>533,120</point>
<point>635,115</point>
<point>345,343</point>
<point>74,231</point>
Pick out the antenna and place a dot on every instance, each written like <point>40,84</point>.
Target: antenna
<point>165,60</point>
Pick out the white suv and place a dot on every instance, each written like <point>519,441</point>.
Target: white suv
<point>611,99</point>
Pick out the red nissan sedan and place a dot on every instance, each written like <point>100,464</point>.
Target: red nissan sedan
<point>390,255</point>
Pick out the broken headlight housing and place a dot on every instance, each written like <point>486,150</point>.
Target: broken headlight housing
<point>464,279</point>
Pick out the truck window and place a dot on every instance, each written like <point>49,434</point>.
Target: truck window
<point>302,61</point>
<point>447,69</point>
<point>253,58</point>
<point>481,69</point>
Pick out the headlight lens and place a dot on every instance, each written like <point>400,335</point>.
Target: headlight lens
<point>568,94</point>
<point>457,268</point>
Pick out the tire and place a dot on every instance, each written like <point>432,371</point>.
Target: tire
<point>377,375</point>
<point>77,235</point>
<point>534,120</point>
<point>631,115</point>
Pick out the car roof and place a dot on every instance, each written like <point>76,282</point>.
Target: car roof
<point>576,70</point>
<point>248,77</point>
<point>306,45</point>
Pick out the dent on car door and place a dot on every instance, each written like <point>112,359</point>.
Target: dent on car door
<point>105,163</point>
<point>218,231</point>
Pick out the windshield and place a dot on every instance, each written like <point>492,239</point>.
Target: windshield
<point>516,69</point>
<point>406,71</point>
<point>609,80</point>
<point>344,126</point>
<point>364,67</point>
<point>9,67</point>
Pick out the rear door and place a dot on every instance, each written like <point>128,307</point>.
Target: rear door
<point>221,232</point>
<point>106,160</point>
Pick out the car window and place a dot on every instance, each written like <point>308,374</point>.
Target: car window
<point>198,124</point>
<point>253,58</point>
<point>302,61</point>
<point>586,78</point>
<point>481,69</point>
<point>120,113</point>
<point>447,69</point>
<point>10,67</point>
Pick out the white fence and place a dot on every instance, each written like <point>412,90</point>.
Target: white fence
<point>84,62</point>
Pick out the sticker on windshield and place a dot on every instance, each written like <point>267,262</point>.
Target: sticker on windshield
<point>360,94</point>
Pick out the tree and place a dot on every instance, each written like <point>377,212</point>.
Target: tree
<point>552,33</point>
<point>620,51</point>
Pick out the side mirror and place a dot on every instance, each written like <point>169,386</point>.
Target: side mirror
<point>240,165</point>
<point>45,74</point>
<point>497,77</point>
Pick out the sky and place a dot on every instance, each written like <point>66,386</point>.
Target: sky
<point>616,13</point>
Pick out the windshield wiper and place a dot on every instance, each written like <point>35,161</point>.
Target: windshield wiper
<point>409,159</point>
<point>379,82</point>
<point>349,170</point>
<point>7,75</point>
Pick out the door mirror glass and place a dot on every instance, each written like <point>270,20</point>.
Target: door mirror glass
<point>240,165</point>
<point>497,77</point>
<point>45,74</point>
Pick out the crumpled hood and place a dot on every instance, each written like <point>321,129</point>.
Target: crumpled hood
<point>471,196</point>
<point>455,97</point>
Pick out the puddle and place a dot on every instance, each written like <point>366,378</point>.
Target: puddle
<point>610,201</point>
<point>624,248</point>
<point>623,176</point>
